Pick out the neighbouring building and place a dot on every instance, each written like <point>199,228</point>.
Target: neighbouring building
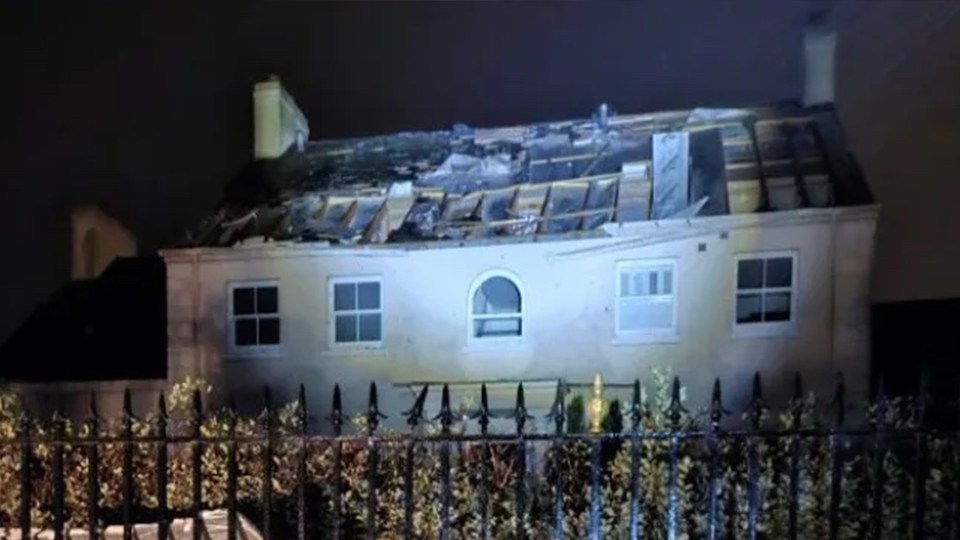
<point>713,242</point>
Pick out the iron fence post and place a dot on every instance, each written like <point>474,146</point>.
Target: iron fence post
<point>836,460</point>
<point>922,450</point>
<point>674,412</point>
<point>636,421</point>
<point>93,465</point>
<point>302,465</point>
<point>713,444</point>
<point>26,464</point>
<point>58,483</point>
<point>446,419</point>
<point>595,494</point>
<point>197,469</point>
<point>336,420</point>
<point>163,522</point>
<point>795,425</point>
<point>232,471</point>
<point>879,454</point>
<point>127,466</point>
<point>267,487</point>
<point>483,418</point>
<point>520,484</point>
<point>559,417</point>
<point>756,410</point>
<point>373,421</point>
<point>414,417</point>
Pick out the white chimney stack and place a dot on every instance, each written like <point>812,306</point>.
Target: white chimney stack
<point>277,121</point>
<point>819,46</point>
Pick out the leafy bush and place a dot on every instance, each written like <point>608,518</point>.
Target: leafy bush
<point>489,471</point>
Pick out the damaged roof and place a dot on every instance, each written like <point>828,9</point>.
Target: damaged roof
<point>545,178</point>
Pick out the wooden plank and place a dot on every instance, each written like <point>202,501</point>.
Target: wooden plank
<point>375,227</point>
<point>322,211</point>
<point>586,201</point>
<point>545,210</point>
<point>347,219</point>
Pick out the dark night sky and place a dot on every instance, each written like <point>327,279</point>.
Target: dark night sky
<point>144,108</point>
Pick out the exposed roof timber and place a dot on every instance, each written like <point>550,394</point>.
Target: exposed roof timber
<point>351,213</point>
<point>376,224</point>
<point>545,210</point>
<point>764,196</point>
<point>801,187</point>
<point>616,199</point>
<point>321,212</point>
<point>471,225</point>
<point>586,201</point>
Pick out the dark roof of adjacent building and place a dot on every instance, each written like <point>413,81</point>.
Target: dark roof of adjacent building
<point>113,327</point>
<point>545,178</point>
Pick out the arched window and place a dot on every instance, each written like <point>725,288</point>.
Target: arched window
<point>496,308</point>
<point>91,253</point>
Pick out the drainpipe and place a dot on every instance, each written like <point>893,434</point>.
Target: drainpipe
<point>833,288</point>
<point>197,356</point>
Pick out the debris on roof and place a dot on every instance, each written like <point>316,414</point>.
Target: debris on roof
<point>547,178</point>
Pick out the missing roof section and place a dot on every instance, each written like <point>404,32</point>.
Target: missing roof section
<point>548,178</point>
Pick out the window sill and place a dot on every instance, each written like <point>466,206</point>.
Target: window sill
<point>644,339</point>
<point>353,351</point>
<point>260,353</point>
<point>760,331</point>
<point>496,344</point>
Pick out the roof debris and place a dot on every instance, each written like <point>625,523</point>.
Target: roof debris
<point>548,178</point>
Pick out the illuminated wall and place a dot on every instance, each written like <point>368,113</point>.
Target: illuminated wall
<point>569,295</point>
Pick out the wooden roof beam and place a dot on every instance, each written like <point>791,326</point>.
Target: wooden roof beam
<point>376,224</point>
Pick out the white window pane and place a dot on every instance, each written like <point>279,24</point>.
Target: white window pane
<point>667,282</point>
<point>748,308</point>
<point>245,332</point>
<point>776,307</point>
<point>750,274</point>
<point>345,329</point>
<point>267,300</point>
<point>344,296</point>
<point>370,327</point>
<point>368,295</point>
<point>269,331</point>
<point>654,288</point>
<point>496,295</point>
<point>779,272</point>
<point>243,301</point>
<point>637,314</point>
<point>624,284</point>
<point>496,327</point>
<point>639,284</point>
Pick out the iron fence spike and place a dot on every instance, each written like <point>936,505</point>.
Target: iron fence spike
<point>415,414</point>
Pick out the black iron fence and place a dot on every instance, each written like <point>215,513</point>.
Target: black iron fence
<point>659,471</point>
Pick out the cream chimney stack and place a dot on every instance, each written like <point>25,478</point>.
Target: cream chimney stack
<point>277,121</point>
<point>819,47</point>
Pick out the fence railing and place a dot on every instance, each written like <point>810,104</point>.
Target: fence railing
<point>669,473</point>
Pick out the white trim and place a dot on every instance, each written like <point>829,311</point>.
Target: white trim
<point>251,351</point>
<point>499,341</point>
<point>649,335</point>
<point>332,344</point>
<point>766,329</point>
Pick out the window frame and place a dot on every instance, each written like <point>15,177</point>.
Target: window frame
<point>474,341</point>
<point>766,329</point>
<point>647,335</point>
<point>332,342</point>
<point>251,351</point>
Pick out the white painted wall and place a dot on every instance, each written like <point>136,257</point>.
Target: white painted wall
<point>569,300</point>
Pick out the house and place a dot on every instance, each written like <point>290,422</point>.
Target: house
<point>710,241</point>
<point>104,330</point>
